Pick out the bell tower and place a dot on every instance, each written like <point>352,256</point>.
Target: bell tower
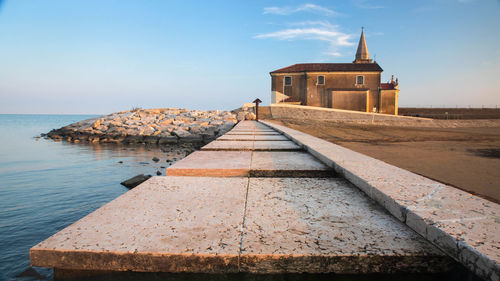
<point>362,55</point>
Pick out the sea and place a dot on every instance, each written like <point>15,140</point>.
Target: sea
<point>46,185</point>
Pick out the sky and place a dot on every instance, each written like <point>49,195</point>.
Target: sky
<point>103,56</point>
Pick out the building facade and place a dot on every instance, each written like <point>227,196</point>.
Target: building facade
<point>349,86</point>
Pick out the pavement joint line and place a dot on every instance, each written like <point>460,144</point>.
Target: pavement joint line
<point>245,211</point>
<point>250,149</point>
<point>248,140</point>
<point>244,218</point>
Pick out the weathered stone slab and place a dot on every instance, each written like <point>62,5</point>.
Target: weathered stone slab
<point>265,133</point>
<point>245,137</point>
<point>229,145</point>
<point>275,145</point>
<point>327,225</point>
<point>465,226</point>
<point>167,224</point>
<point>247,163</point>
<point>227,137</point>
<point>192,224</point>
<point>270,138</point>
<point>213,164</point>
<point>261,130</point>
<point>250,125</point>
<point>288,164</point>
<point>249,145</point>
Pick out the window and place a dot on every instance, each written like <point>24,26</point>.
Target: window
<point>321,80</point>
<point>360,80</point>
<point>288,80</point>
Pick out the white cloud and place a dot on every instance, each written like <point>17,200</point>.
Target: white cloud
<point>335,37</point>
<point>313,8</point>
<point>313,30</point>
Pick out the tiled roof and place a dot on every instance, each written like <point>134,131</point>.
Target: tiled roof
<point>329,67</point>
<point>386,86</point>
<point>291,99</point>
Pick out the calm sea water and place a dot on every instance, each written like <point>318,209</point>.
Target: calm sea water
<point>46,185</point>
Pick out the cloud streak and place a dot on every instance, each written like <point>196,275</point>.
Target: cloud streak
<point>335,37</point>
<point>313,30</point>
<point>312,8</point>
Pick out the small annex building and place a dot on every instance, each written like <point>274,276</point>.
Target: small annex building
<point>349,86</point>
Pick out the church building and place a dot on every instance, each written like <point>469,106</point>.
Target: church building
<point>349,86</point>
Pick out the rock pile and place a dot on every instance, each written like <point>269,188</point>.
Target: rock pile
<point>151,126</point>
<point>245,113</point>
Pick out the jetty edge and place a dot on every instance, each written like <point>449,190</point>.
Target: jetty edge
<point>314,224</point>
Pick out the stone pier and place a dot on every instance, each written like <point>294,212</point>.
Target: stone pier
<point>255,200</point>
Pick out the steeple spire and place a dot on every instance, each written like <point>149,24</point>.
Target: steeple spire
<point>362,55</point>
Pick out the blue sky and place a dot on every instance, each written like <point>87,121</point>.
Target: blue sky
<point>96,56</point>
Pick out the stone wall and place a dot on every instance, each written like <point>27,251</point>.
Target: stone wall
<point>349,100</point>
<point>389,99</point>
<point>282,111</point>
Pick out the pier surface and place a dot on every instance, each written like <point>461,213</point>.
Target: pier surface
<point>249,203</point>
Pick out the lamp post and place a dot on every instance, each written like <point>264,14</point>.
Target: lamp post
<point>257,101</point>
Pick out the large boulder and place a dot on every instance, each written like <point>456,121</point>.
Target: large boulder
<point>166,122</point>
<point>241,116</point>
<point>146,130</point>
<point>250,116</point>
<point>96,124</point>
<point>135,181</point>
<point>182,133</point>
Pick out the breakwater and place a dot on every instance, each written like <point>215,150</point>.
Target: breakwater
<point>150,126</point>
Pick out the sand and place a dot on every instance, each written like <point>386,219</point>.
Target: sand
<point>466,157</point>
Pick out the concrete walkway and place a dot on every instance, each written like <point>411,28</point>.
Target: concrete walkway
<point>251,201</point>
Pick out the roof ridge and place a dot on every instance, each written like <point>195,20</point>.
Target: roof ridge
<point>329,67</point>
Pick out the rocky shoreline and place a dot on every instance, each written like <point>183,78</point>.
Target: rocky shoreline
<point>151,126</point>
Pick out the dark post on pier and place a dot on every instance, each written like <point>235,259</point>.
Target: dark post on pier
<point>257,101</point>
